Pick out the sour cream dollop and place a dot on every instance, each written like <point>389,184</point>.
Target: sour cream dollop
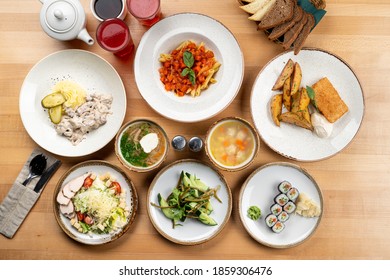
<point>322,127</point>
<point>149,142</point>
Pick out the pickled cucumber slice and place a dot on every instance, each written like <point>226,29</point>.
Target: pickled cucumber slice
<point>55,114</point>
<point>52,100</point>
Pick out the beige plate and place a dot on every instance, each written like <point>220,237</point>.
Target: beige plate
<point>298,143</point>
<point>91,72</point>
<point>260,189</point>
<point>191,232</point>
<point>98,167</point>
<point>165,36</point>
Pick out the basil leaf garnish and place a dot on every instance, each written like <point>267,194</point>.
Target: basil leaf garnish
<point>185,72</point>
<point>191,76</point>
<point>188,59</point>
<point>311,93</point>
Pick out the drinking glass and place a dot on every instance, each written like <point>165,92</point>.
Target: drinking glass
<point>147,12</point>
<point>105,9</point>
<point>114,36</point>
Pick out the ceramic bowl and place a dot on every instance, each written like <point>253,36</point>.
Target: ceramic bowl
<point>232,143</point>
<point>135,147</point>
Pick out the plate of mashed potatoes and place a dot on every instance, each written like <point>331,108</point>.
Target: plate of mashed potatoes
<point>72,103</point>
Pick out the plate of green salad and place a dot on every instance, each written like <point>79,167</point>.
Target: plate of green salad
<point>189,202</point>
<point>95,202</point>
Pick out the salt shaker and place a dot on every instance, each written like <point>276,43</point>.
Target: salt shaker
<point>179,143</point>
<point>195,144</point>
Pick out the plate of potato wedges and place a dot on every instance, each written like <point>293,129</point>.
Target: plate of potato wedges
<point>307,107</point>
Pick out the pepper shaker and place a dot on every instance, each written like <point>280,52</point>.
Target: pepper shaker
<point>195,144</point>
<point>179,143</point>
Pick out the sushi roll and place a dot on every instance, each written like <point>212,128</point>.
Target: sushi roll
<point>276,209</point>
<point>281,199</point>
<point>278,227</point>
<point>284,186</point>
<point>271,220</point>
<point>289,207</point>
<point>293,194</point>
<point>283,216</point>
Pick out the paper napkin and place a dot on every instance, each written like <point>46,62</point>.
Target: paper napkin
<point>20,199</point>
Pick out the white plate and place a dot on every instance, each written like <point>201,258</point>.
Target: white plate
<point>260,189</point>
<point>298,143</point>
<point>92,73</point>
<point>192,231</point>
<point>98,167</point>
<point>165,36</point>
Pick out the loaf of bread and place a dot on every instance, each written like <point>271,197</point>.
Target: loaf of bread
<point>281,12</point>
<point>279,30</point>
<point>285,21</point>
<point>293,32</point>
<point>300,40</point>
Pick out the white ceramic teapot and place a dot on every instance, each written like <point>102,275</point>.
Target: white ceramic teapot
<point>64,20</point>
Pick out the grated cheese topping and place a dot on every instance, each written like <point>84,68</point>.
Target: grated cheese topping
<point>100,203</point>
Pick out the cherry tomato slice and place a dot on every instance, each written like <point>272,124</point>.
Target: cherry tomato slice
<point>87,182</point>
<point>117,187</point>
<point>80,216</point>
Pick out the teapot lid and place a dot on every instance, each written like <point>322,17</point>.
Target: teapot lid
<point>61,16</point>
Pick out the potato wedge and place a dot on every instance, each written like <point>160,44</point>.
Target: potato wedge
<point>276,108</point>
<point>306,114</point>
<point>295,101</point>
<point>263,10</point>
<point>304,100</point>
<point>296,119</point>
<point>296,78</point>
<point>286,72</point>
<point>286,94</point>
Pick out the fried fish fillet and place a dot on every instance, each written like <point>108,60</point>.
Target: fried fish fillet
<point>328,100</point>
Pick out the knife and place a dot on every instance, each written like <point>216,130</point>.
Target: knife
<point>46,176</point>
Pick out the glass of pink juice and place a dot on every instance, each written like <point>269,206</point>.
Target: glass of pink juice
<point>114,36</point>
<point>147,12</point>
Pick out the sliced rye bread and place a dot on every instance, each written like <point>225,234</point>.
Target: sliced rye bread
<point>300,40</point>
<point>280,29</point>
<point>293,32</point>
<point>281,12</point>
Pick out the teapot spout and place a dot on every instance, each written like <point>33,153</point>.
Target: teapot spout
<point>84,36</point>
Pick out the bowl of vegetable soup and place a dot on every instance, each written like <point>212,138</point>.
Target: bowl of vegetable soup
<point>232,144</point>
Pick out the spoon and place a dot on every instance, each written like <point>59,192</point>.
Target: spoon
<point>37,166</point>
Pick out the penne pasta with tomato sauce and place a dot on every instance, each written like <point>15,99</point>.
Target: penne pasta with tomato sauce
<point>188,69</point>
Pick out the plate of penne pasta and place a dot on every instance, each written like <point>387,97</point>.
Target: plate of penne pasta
<point>188,67</point>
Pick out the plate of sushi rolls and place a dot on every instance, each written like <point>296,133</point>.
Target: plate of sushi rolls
<point>290,201</point>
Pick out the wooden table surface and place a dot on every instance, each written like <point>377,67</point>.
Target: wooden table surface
<point>355,182</point>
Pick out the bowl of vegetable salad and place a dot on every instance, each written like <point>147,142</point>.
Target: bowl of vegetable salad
<point>95,202</point>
